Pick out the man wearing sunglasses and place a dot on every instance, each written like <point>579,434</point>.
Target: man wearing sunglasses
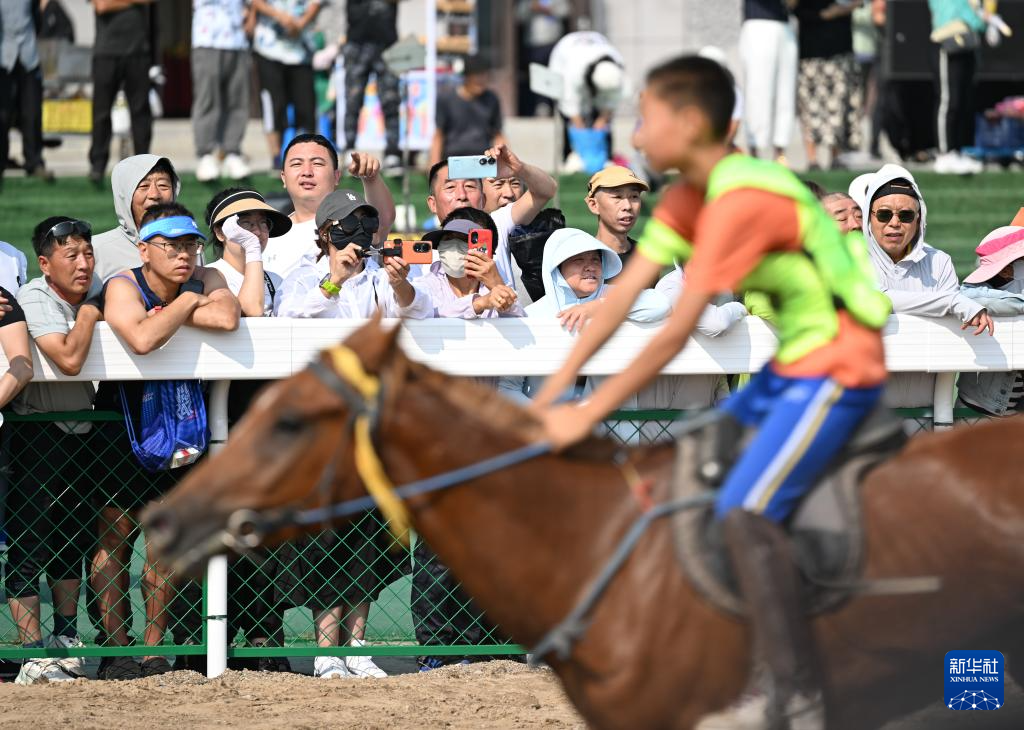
<point>347,279</point>
<point>54,492</point>
<point>917,278</point>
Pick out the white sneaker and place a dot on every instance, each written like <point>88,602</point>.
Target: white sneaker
<point>392,165</point>
<point>208,168</point>
<point>363,666</point>
<point>750,712</point>
<point>970,166</point>
<point>73,665</point>
<point>235,167</point>
<point>42,671</point>
<point>330,667</point>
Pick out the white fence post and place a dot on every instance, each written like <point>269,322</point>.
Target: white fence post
<point>942,405</point>
<point>217,567</point>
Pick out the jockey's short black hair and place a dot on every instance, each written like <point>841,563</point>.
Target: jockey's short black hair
<point>697,81</point>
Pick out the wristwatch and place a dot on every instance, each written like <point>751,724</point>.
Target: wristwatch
<point>329,286</point>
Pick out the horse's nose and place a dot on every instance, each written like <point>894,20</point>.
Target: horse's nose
<point>161,528</point>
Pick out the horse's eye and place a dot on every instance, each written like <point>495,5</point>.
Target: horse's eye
<point>289,424</point>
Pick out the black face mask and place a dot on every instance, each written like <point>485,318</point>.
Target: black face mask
<point>354,230</point>
<point>340,239</point>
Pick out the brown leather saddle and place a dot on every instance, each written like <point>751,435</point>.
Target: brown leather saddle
<point>827,527</point>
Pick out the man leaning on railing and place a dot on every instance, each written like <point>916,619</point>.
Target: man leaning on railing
<point>144,307</point>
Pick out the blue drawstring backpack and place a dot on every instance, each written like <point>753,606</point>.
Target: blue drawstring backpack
<point>173,427</point>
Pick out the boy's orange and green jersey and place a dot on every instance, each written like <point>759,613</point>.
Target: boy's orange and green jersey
<point>758,229</point>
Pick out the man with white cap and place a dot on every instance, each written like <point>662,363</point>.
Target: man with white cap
<point>594,80</point>
<point>998,285</point>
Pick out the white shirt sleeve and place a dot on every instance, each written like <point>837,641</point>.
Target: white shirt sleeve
<point>300,296</point>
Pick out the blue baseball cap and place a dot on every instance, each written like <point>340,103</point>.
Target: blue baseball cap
<point>177,226</point>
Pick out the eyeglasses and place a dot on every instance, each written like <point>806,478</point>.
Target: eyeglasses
<point>174,249</point>
<point>67,228</point>
<point>885,215</point>
<point>351,223</point>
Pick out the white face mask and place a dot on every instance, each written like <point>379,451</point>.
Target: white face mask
<point>452,255</point>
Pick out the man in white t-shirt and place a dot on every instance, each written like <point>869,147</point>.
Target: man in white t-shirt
<point>505,200</point>
<point>310,173</point>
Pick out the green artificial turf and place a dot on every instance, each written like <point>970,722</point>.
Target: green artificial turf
<point>960,210</point>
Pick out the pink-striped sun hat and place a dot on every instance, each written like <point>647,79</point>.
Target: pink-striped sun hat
<point>1002,246</point>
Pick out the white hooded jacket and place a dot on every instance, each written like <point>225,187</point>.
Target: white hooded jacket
<point>117,250</point>
<point>650,306</point>
<point>924,283</point>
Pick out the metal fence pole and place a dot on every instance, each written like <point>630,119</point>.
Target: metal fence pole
<point>217,567</point>
<point>942,408</point>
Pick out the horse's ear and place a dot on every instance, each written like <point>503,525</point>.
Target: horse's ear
<point>375,343</point>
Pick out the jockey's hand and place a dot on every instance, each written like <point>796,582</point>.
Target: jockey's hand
<point>981,320</point>
<point>565,425</point>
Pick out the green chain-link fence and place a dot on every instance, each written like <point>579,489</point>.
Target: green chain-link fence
<point>73,549</point>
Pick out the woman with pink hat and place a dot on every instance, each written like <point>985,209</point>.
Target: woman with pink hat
<point>998,285</point>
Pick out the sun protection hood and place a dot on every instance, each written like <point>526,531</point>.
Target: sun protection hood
<point>125,178</point>
<point>879,257</point>
<point>563,244</point>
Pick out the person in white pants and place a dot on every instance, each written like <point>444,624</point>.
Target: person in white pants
<point>768,51</point>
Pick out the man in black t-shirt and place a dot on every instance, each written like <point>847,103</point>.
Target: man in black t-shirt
<point>468,117</point>
<point>372,27</point>
<point>121,57</point>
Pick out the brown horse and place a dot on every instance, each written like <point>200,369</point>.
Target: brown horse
<point>526,541</point>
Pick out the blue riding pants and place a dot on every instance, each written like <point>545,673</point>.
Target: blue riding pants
<point>801,423</point>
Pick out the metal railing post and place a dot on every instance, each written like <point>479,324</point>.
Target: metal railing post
<point>217,566</point>
<point>942,405</point>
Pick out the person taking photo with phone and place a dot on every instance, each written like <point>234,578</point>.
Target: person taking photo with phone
<point>356,284</point>
<point>464,283</point>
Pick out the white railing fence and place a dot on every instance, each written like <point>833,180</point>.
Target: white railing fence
<point>276,348</point>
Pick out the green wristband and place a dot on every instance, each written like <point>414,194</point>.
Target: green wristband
<point>329,286</point>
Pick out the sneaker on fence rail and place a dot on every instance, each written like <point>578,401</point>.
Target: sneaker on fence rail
<point>118,668</point>
<point>330,667</point>
<point>155,666</point>
<point>363,666</point>
<point>42,671</point>
<point>73,665</point>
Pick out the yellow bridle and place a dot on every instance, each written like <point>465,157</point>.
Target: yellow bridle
<point>368,464</point>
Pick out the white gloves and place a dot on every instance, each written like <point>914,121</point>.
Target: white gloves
<point>248,240</point>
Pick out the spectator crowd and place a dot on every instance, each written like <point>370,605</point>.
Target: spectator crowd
<point>498,251</point>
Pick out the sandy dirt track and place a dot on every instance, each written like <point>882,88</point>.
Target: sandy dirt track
<point>498,694</point>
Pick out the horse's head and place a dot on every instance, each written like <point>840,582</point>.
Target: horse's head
<point>293,450</point>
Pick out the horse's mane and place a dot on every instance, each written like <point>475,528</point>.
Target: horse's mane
<point>485,405</point>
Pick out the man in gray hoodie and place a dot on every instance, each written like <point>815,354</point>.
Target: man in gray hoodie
<point>139,182</point>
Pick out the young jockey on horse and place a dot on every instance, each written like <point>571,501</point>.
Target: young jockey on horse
<point>747,225</point>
